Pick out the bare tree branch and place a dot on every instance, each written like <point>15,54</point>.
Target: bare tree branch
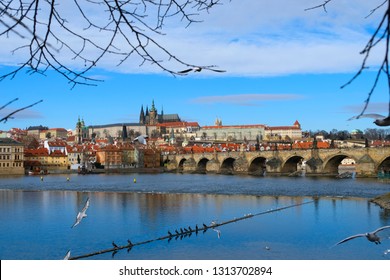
<point>57,35</point>
<point>320,6</point>
<point>381,33</point>
<point>5,119</point>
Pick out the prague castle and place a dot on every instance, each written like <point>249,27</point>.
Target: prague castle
<point>149,119</point>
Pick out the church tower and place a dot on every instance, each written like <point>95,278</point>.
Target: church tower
<point>79,132</point>
<point>153,115</point>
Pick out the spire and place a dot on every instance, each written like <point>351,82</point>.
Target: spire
<point>153,109</point>
<point>142,115</point>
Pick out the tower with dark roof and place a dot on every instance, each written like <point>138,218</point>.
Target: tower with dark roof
<point>142,116</point>
<point>153,115</point>
<point>79,131</point>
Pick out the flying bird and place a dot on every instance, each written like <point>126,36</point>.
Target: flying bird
<point>198,69</point>
<point>380,120</point>
<point>218,232</point>
<point>371,236</point>
<point>141,139</point>
<point>213,225</point>
<point>67,256</point>
<point>81,214</point>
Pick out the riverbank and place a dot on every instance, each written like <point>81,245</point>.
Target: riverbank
<point>108,171</point>
<point>382,200</point>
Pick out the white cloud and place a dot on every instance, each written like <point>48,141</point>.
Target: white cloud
<point>257,38</point>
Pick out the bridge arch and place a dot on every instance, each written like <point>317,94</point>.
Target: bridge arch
<point>291,164</point>
<point>227,166</point>
<point>180,166</point>
<point>257,166</point>
<point>384,165</point>
<point>202,164</point>
<point>331,165</point>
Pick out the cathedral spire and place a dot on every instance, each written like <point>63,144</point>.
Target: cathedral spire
<point>142,115</point>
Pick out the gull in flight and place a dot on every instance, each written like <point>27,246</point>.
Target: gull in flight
<point>141,139</point>
<point>371,236</point>
<point>380,120</point>
<point>81,214</point>
<point>212,225</point>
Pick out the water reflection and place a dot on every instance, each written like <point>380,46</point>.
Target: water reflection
<point>36,224</point>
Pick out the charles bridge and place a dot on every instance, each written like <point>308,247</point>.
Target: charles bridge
<point>368,161</point>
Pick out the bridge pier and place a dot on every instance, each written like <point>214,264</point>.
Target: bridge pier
<point>212,166</point>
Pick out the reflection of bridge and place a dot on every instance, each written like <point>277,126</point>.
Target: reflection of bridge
<point>318,161</point>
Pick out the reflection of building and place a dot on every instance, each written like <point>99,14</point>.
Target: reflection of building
<point>11,157</point>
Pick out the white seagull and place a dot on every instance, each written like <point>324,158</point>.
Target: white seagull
<point>212,225</point>
<point>81,214</point>
<point>380,120</point>
<point>371,236</point>
<point>141,139</point>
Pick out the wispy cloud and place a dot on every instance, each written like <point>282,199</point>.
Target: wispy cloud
<point>22,115</point>
<point>255,99</point>
<point>252,38</point>
<point>374,107</point>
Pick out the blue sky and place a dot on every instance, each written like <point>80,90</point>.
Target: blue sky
<point>282,64</point>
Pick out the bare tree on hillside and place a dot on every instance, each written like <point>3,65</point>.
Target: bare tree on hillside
<point>56,35</point>
<point>380,35</point>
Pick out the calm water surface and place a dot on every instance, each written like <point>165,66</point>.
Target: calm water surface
<point>36,216</point>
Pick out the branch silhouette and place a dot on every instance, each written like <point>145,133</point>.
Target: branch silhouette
<point>380,35</point>
<point>8,116</point>
<point>58,35</point>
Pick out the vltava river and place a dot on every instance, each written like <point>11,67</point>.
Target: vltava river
<point>36,217</point>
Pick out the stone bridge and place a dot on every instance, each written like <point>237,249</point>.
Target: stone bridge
<point>282,162</point>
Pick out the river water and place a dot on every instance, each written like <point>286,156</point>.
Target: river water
<point>36,217</point>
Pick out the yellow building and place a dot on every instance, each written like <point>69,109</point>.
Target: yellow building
<point>53,133</point>
<point>39,160</point>
<point>11,157</point>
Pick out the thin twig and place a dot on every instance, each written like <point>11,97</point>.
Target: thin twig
<point>5,119</point>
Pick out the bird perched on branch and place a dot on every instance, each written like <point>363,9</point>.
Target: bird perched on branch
<point>371,236</point>
<point>380,120</point>
<point>82,214</point>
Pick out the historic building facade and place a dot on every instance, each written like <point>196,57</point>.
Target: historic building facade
<point>11,157</point>
<point>249,133</point>
<point>149,119</point>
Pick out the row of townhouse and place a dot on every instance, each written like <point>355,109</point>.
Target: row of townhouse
<point>59,156</point>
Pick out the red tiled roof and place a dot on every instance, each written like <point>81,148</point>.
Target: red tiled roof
<point>233,126</point>
<point>178,124</point>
